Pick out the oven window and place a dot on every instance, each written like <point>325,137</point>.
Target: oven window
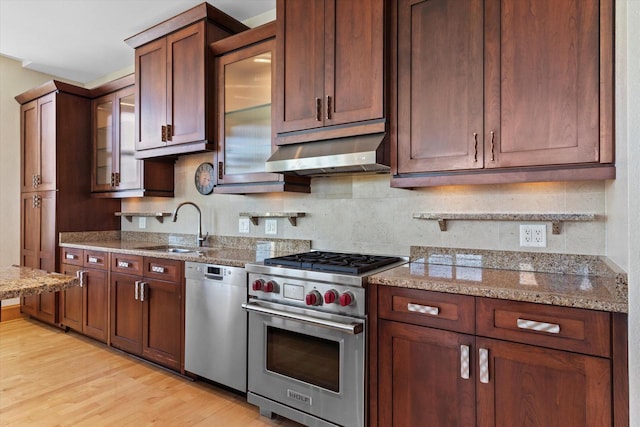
<point>306,358</point>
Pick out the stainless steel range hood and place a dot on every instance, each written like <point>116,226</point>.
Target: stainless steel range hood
<point>364,153</point>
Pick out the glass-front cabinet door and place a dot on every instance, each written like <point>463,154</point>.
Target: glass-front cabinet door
<point>245,80</point>
<point>103,166</point>
<point>129,169</point>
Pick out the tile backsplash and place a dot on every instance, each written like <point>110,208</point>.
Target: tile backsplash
<point>363,213</point>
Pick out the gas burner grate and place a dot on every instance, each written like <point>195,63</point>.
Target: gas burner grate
<point>333,262</point>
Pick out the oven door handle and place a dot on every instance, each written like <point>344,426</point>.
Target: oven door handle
<point>352,328</point>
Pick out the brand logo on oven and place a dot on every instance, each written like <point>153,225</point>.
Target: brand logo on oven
<point>299,397</point>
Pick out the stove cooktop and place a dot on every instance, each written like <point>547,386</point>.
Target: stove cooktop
<point>333,262</point>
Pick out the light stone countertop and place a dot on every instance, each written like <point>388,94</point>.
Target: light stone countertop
<point>18,281</point>
<point>579,281</point>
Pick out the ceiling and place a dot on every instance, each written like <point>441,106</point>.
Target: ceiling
<point>83,40</point>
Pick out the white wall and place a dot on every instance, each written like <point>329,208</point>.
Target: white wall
<point>623,198</point>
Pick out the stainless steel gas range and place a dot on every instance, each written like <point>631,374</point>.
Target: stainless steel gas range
<point>307,329</point>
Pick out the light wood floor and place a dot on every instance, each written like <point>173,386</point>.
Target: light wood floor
<point>52,378</point>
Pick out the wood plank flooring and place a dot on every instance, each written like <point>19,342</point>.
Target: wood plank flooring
<point>52,378</point>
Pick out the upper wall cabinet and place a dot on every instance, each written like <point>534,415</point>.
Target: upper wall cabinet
<point>174,82</point>
<point>116,172</point>
<point>330,69</point>
<point>244,69</point>
<point>501,91</point>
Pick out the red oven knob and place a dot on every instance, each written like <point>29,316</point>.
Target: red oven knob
<point>257,284</point>
<point>313,298</point>
<point>269,286</point>
<point>346,299</point>
<point>330,296</point>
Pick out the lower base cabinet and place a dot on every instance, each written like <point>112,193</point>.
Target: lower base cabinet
<point>41,306</point>
<point>84,308</point>
<point>428,375</point>
<point>147,313</point>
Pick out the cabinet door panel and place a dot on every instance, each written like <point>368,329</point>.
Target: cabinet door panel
<point>30,151</point>
<point>103,142</point>
<point>126,312</point>
<point>95,304</point>
<point>30,232</point>
<point>299,67</point>
<point>48,248</point>
<point>129,168</point>
<point>420,379</point>
<point>353,64</point>
<point>151,99</point>
<point>542,82</point>
<point>47,132</point>
<point>440,99</point>
<point>161,322</point>
<point>185,77</point>
<point>536,386</point>
<point>71,301</point>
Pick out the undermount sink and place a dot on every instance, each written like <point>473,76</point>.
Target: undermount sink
<point>170,249</point>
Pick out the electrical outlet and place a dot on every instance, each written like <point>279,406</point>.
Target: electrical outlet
<point>243,225</point>
<point>271,226</point>
<point>142,222</point>
<point>533,235</point>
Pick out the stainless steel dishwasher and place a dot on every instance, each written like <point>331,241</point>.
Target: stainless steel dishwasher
<point>216,324</point>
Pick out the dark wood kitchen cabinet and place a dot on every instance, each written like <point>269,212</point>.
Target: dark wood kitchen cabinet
<point>116,172</point>
<point>501,91</point>
<point>441,362</point>
<point>147,308</point>
<point>245,66</point>
<point>55,186</point>
<point>330,68</point>
<point>174,79</point>
<point>84,308</point>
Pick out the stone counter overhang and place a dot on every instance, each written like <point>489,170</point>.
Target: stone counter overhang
<point>16,281</point>
<point>580,281</point>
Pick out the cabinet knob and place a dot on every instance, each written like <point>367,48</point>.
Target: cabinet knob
<point>157,269</point>
<point>123,264</point>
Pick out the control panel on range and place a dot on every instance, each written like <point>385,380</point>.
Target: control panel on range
<point>324,296</point>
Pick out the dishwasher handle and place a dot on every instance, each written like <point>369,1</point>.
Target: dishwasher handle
<point>352,328</point>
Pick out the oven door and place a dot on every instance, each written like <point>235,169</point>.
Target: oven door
<point>307,360</point>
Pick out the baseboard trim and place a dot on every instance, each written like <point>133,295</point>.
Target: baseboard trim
<point>11,312</point>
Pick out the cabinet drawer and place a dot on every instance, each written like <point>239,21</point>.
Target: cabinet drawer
<point>128,264</point>
<point>71,256</point>
<point>563,328</point>
<point>163,269</point>
<point>427,308</point>
<point>96,259</point>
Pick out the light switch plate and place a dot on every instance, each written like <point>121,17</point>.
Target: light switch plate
<point>271,226</point>
<point>243,225</point>
<point>142,222</point>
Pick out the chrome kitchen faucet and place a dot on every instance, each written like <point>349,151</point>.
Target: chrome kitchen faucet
<point>200,239</point>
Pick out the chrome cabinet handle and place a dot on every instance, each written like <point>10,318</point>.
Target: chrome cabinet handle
<point>318,110</point>
<point>70,256</point>
<point>328,107</point>
<point>493,144</point>
<point>123,264</point>
<point>169,132</point>
<point>157,269</point>
<point>142,291</point>
<point>423,309</point>
<point>80,275</point>
<point>135,290</point>
<point>163,133</point>
<point>475,147</point>
<point>93,260</point>
<point>483,362</point>
<point>552,328</point>
<point>464,362</point>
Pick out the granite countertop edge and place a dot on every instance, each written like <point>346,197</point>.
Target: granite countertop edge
<point>504,285</point>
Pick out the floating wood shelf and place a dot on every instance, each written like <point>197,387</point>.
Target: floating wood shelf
<point>555,219</point>
<point>291,216</point>
<point>157,215</point>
